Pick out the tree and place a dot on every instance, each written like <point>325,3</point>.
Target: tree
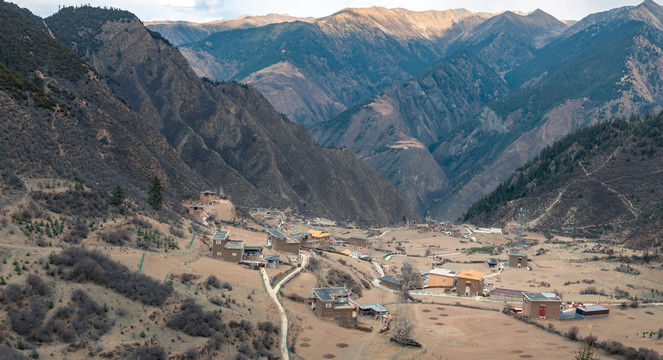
<point>154,196</point>
<point>117,196</point>
<point>585,353</point>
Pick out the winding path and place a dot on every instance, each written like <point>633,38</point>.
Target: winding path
<point>273,293</point>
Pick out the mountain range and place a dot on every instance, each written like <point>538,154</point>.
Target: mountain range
<point>448,104</point>
<point>123,105</point>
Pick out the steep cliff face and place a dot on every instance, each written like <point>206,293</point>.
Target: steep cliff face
<point>62,120</point>
<point>229,133</point>
<point>332,62</point>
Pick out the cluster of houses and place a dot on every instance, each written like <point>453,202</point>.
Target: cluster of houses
<point>197,208</point>
<point>280,247</point>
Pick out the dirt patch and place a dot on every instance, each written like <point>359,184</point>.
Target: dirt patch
<point>328,356</point>
<point>433,318</point>
<point>631,318</point>
<point>649,313</point>
<point>342,345</point>
<point>440,308</point>
<point>443,315</point>
<point>425,310</point>
<point>521,331</point>
<point>516,352</point>
<point>506,324</point>
<point>305,339</point>
<point>304,344</point>
<point>525,356</point>
<point>440,324</point>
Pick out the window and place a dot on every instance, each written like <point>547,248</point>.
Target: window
<point>218,253</point>
<point>219,242</point>
<point>234,254</point>
<point>328,305</point>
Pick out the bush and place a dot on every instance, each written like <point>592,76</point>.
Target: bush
<point>572,333</point>
<point>81,265</point>
<point>191,353</point>
<point>12,293</point>
<point>9,353</point>
<point>214,282</point>
<point>35,285</point>
<point>194,321</point>
<point>118,237</point>
<point>266,326</point>
<point>148,352</point>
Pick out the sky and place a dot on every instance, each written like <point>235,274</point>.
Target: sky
<point>208,10</point>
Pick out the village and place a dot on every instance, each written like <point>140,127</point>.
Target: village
<point>374,290</point>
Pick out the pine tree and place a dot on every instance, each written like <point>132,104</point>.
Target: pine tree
<point>117,196</point>
<point>154,197</point>
<point>585,353</point>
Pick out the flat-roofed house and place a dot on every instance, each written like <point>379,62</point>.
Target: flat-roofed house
<point>218,241</point>
<point>541,305</point>
<point>441,278</point>
<point>506,295</point>
<point>282,243</point>
<point>469,283</point>
<point>517,259</point>
<point>358,241</point>
<point>389,282</point>
<point>334,304</point>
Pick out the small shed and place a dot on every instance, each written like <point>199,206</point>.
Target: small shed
<point>372,310</point>
<point>389,282</point>
<point>593,311</point>
<point>272,261</point>
<point>253,251</point>
<point>491,262</point>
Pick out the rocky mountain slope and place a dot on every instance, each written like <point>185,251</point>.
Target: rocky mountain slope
<point>227,133</point>
<point>601,181</point>
<point>609,69</point>
<point>185,32</point>
<point>61,119</point>
<point>313,71</point>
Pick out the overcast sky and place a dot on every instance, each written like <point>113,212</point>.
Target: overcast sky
<point>207,10</point>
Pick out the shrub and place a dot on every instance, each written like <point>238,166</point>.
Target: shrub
<point>147,352</point>
<point>191,353</point>
<point>12,293</point>
<point>214,282</point>
<point>194,321</point>
<point>572,333</point>
<point>266,326</point>
<point>118,237</point>
<point>78,264</point>
<point>35,285</point>
<point>9,353</point>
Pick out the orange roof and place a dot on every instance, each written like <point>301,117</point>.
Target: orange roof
<point>346,252</point>
<point>470,274</point>
<point>318,233</point>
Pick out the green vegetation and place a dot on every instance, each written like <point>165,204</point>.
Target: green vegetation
<point>154,196</point>
<point>479,250</point>
<point>117,196</point>
<point>558,162</point>
<point>146,237</point>
<point>51,227</point>
<point>586,353</point>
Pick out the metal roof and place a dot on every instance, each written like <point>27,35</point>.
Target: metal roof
<point>375,307</point>
<point>442,272</point>
<point>234,244</point>
<point>515,252</point>
<point>272,258</point>
<point>300,235</point>
<point>491,261</point>
<point>330,294</point>
<point>359,238</point>
<point>275,233</point>
<point>253,248</point>
<point>291,240</point>
<point>470,274</point>
<point>532,296</point>
<point>506,291</point>
<point>593,308</point>
<point>220,235</point>
<point>390,279</point>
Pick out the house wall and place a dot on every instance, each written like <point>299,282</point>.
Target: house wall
<point>476,286</point>
<point>358,242</point>
<point>391,285</point>
<point>341,316</point>
<point>513,261</point>
<point>219,252</point>
<point>531,309</point>
<point>283,246</point>
<point>440,281</point>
